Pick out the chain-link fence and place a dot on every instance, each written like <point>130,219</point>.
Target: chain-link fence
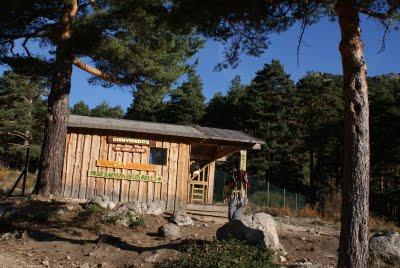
<point>263,193</point>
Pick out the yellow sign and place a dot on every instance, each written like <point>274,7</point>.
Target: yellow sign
<point>136,166</point>
<point>121,176</point>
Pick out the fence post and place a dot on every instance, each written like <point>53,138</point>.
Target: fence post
<point>284,197</point>
<point>296,202</point>
<point>267,194</point>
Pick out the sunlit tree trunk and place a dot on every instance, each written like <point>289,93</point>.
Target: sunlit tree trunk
<point>51,159</point>
<point>353,248</point>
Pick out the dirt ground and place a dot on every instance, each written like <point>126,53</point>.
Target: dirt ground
<point>75,238</point>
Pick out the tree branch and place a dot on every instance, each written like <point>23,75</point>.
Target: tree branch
<point>393,6</point>
<point>100,74</point>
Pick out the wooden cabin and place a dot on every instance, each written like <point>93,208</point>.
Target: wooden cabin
<point>134,160</point>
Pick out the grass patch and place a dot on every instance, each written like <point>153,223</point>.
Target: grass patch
<point>138,222</point>
<point>93,208</point>
<point>223,254</point>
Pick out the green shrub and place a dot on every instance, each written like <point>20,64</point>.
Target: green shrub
<point>223,254</point>
<point>93,208</point>
<point>138,222</point>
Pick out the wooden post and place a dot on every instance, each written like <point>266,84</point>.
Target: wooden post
<point>243,160</point>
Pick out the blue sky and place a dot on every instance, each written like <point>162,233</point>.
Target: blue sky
<point>320,53</point>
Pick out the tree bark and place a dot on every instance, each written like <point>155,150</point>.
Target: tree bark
<point>52,154</point>
<point>353,247</point>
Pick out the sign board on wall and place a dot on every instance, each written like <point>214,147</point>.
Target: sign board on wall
<point>136,166</point>
<point>121,148</point>
<point>124,176</point>
<point>125,140</point>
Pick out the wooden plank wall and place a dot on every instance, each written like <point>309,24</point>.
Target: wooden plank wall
<point>82,151</point>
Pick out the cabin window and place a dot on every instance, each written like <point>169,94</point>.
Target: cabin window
<point>158,156</point>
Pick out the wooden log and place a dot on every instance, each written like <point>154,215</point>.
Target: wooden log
<point>211,176</point>
<point>134,185</point>
<point>76,177</point>
<point>125,183</point>
<point>165,173</point>
<point>94,154</point>
<point>87,143</point>
<point>103,154</point>
<point>181,177</point>
<point>117,183</point>
<point>157,186</point>
<point>109,183</point>
<point>173,162</point>
<point>64,171</point>
<point>143,185</point>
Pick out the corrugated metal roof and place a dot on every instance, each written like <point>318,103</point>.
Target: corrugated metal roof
<point>199,132</point>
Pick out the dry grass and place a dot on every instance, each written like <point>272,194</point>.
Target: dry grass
<point>379,225</point>
<point>9,176</point>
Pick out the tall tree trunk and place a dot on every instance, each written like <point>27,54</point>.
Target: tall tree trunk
<point>51,158</point>
<point>353,247</point>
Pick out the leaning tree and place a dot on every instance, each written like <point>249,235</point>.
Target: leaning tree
<point>123,42</point>
<point>244,25</point>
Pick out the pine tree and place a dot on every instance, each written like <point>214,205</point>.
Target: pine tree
<point>187,102</point>
<point>266,110</point>
<point>219,106</point>
<point>104,110</point>
<point>21,110</point>
<point>80,108</point>
<point>148,103</point>
<point>127,41</point>
<point>319,106</point>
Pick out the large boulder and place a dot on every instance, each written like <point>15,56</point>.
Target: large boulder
<point>258,229</point>
<point>170,230</point>
<point>156,207</point>
<point>385,250</point>
<point>181,218</point>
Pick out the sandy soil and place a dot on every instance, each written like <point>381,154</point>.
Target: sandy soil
<point>76,239</point>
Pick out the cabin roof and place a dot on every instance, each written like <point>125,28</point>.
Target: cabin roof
<point>186,131</point>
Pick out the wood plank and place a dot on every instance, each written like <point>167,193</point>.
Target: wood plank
<point>143,185</point>
<point>76,177</point>
<point>87,143</point>
<point>109,183</point>
<point>206,207</point>
<point>180,174</point>
<point>134,185</point>
<point>70,164</point>
<point>211,176</point>
<point>165,174</point>
<point>121,165</point>
<point>94,154</point>
<point>173,162</point>
<point>117,183</point>
<point>157,186</point>
<point>126,158</point>
<point>100,182</point>
<point>65,161</point>
<point>186,175</point>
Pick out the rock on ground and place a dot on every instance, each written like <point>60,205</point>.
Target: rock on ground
<point>181,218</point>
<point>103,201</point>
<point>156,207</point>
<point>385,250</point>
<point>120,217</point>
<point>170,230</point>
<point>259,228</point>
<point>137,207</point>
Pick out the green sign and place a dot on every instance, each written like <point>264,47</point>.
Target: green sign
<point>121,176</point>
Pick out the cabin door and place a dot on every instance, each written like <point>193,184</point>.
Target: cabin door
<point>201,185</point>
